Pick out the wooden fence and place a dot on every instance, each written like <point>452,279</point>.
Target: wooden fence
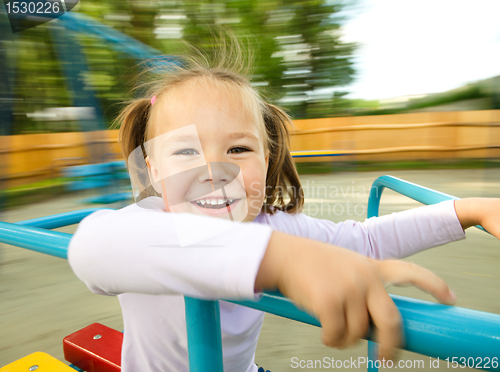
<point>434,135</point>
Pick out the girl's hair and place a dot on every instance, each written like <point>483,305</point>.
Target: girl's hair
<point>229,72</point>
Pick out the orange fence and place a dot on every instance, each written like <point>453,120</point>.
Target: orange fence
<point>33,157</point>
<point>434,135</point>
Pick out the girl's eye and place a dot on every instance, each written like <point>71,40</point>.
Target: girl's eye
<point>238,150</point>
<point>186,152</point>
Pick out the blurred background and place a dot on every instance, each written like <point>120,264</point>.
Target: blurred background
<point>374,86</point>
<point>407,84</point>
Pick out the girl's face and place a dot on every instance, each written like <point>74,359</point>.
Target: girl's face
<point>208,156</point>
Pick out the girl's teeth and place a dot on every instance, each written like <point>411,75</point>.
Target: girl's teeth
<point>214,201</point>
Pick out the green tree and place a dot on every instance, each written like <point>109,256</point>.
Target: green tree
<point>296,47</point>
<point>296,44</point>
<point>322,60</point>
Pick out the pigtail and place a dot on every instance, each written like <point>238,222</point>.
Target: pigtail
<point>282,178</point>
<point>133,122</point>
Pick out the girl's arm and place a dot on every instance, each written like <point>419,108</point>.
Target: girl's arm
<point>479,211</point>
<point>391,236</point>
<point>137,250</point>
<point>343,289</point>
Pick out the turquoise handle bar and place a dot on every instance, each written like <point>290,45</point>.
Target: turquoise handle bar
<point>413,191</point>
<point>59,220</point>
<point>416,192</point>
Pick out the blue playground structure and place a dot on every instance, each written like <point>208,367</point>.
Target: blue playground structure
<point>101,174</point>
<point>73,61</point>
<point>450,333</point>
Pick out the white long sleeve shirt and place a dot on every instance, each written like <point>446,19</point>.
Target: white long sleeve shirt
<point>135,253</point>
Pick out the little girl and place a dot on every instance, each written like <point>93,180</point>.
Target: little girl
<point>204,144</point>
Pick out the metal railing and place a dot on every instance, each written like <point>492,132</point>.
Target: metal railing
<point>430,329</point>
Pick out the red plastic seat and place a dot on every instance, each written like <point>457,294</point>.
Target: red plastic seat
<point>95,348</point>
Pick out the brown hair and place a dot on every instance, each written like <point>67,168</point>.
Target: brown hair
<point>282,180</point>
<point>282,177</point>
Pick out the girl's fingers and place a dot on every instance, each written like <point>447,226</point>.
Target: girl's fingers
<point>357,320</point>
<point>333,323</point>
<point>402,273</point>
<point>387,320</point>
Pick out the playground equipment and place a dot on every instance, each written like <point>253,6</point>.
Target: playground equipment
<point>74,67</point>
<point>73,59</point>
<point>108,176</point>
<point>455,334</point>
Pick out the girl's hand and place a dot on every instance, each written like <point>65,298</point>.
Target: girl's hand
<point>479,211</point>
<point>343,289</point>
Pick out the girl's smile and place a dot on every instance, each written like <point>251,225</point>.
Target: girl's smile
<point>216,206</point>
<point>208,153</point>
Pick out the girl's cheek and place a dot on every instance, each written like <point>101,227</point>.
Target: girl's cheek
<point>255,207</point>
<point>253,184</point>
<point>174,189</point>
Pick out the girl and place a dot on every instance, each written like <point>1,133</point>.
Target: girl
<point>204,144</point>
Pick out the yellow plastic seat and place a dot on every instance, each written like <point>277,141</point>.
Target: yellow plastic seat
<point>38,362</point>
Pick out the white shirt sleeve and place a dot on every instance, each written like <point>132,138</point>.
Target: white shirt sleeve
<point>136,250</point>
<point>396,235</point>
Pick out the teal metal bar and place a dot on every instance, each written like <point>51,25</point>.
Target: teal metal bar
<point>33,234</point>
<point>419,193</point>
<point>431,329</point>
<point>442,331</point>
<point>53,243</point>
<point>372,356</point>
<point>59,220</point>
<point>203,335</point>
<point>416,192</point>
<point>413,191</point>
<point>276,304</point>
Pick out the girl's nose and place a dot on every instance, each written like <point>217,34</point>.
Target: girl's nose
<point>220,173</point>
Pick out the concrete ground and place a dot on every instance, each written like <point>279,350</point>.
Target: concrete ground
<point>42,300</point>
